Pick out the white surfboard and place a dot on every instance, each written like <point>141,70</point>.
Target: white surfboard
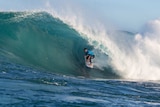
<point>88,64</point>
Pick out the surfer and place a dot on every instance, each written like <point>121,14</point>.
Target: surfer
<point>89,55</point>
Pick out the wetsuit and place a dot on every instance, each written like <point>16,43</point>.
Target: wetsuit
<point>89,54</point>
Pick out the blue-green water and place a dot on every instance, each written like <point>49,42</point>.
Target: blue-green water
<point>24,86</point>
<point>42,65</point>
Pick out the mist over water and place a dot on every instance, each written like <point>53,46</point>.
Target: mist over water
<point>42,58</point>
<point>132,56</point>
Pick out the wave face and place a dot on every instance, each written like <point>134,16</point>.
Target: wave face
<point>54,42</point>
<point>40,40</point>
<point>134,56</point>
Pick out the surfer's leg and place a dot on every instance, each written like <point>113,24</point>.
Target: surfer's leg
<point>87,58</point>
<point>90,59</point>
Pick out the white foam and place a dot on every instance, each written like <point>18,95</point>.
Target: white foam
<point>141,62</point>
<point>144,61</point>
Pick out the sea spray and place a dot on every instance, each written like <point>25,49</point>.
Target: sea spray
<point>135,63</point>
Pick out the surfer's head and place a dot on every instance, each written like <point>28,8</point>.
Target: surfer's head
<point>85,49</point>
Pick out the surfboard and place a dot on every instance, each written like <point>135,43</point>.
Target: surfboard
<point>88,64</point>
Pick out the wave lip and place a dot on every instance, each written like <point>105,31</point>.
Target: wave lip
<point>42,41</point>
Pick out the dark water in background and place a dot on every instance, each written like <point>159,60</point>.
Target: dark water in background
<point>35,58</point>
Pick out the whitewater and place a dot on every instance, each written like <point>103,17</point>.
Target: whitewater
<point>42,60</point>
<point>133,57</point>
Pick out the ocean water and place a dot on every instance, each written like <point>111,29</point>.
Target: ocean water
<point>25,86</point>
<point>42,64</point>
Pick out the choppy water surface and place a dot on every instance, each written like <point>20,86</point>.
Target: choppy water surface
<point>24,86</point>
